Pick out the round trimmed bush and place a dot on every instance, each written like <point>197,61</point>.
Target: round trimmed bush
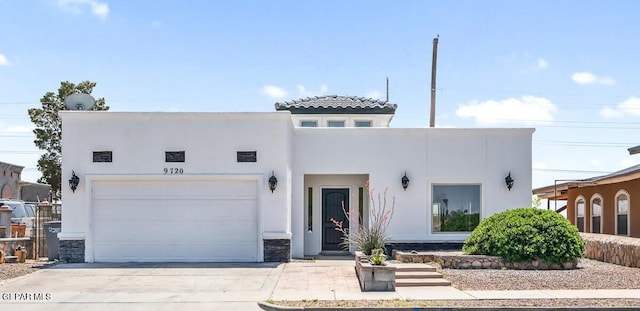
<point>526,234</point>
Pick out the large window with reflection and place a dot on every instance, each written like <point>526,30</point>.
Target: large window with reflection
<point>455,208</point>
<point>622,213</point>
<point>596,214</point>
<point>580,214</point>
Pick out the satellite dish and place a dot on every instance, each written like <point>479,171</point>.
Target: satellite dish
<point>80,101</point>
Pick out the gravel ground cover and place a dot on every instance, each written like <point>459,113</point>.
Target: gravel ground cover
<point>569,303</point>
<point>591,274</point>
<point>13,270</point>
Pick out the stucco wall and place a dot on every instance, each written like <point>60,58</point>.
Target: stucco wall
<point>429,156</point>
<point>608,193</point>
<point>329,156</point>
<point>210,141</point>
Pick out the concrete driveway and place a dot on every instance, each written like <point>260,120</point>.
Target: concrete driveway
<point>133,286</point>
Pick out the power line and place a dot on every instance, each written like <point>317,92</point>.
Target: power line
<point>570,171</point>
<point>21,152</point>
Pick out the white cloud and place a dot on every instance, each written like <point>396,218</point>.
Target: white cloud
<point>631,106</point>
<point>628,162</point>
<point>608,112</point>
<point>528,110</point>
<point>585,78</point>
<point>539,165</point>
<point>542,64</point>
<point>303,92</point>
<point>18,129</point>
<point>374,95</point>
<point>274,91</point>
<point>3,60</point>
<point>98,8</point>
<point>607,80</point>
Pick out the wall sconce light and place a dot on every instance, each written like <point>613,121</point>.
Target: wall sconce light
<point>405,181</point>
<point>273,182</point>
<point>74,181</point>
<point>509,181</point>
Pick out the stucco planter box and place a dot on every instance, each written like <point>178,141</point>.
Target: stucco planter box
<point>374,277</point>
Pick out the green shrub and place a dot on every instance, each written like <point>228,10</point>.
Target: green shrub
<point>525,234</point>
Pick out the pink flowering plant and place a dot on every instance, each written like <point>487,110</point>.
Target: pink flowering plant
<point>374,236</point>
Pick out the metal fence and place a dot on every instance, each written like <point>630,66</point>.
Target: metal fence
<point>44,213</point>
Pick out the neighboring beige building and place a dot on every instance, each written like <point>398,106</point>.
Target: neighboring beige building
<point>9,180</point>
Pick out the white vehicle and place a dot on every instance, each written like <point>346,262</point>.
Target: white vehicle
<point>21,213</point>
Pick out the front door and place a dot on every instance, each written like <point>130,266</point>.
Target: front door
<point>334,204</point>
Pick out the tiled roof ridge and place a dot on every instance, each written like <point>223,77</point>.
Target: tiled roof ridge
<point>318,101</point>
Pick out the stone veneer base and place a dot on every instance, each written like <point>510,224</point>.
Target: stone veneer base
<point>71,251</point>
<point>619,250</point>
<point>277,250</point>
<point>458,260</point>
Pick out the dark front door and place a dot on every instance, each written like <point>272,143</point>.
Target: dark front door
<point>333,201</point>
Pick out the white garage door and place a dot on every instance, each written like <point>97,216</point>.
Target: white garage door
<point>174,220</point>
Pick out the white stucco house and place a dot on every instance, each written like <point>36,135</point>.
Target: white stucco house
<point>172,186</point>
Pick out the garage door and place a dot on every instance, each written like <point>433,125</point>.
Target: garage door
<point>174,220</point>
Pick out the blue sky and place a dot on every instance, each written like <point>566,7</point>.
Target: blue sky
<point>567,68</point>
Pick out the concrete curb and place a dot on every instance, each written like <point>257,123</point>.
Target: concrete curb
<point>272,307</point>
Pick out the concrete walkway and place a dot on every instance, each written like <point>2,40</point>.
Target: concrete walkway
<point>217,286</point>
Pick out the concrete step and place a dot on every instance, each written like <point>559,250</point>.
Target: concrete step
<point>417,275</point>
<point>421,282</point>
<point>10,259</point>
<point>414,267</point>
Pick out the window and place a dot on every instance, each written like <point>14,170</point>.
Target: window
<point>309,123</point>
<point>455,208</point>
<point>580,214</point>
<point>596,215</point>
<point>335,124</point>
<point>363,123</point>
<point>622,213</point>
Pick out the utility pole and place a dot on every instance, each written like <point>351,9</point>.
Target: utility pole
<point>434,61</point>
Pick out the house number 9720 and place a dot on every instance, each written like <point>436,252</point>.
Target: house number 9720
<point>173,171</point>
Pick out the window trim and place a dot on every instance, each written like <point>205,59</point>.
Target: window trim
<point>584,203</point>
<point>625,192</point>
<point>593,198</point>
<point>480,208</point>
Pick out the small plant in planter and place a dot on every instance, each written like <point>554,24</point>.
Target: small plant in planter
<point>374,236</point>
<point>378,258</point>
